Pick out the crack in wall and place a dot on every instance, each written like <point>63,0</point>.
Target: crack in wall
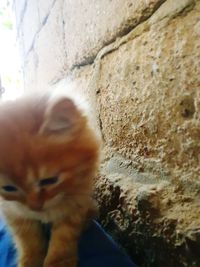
<point>21,15</point>
<point>166,11</point>
<point>123,32</point>
<point>63,29</point>
<point>179,8</point>
<point>43,23</point>
<point>126,35</point>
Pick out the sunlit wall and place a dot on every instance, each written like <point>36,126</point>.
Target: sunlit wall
<point>10,71</point>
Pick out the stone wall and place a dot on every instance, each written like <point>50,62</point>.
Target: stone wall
<point>138,65</point>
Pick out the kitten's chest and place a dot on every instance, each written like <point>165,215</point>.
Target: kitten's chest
<point>64,209</point>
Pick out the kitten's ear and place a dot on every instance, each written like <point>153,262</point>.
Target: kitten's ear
<point>60,118</point>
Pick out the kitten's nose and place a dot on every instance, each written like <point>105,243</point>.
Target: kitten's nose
<point>34,201</point>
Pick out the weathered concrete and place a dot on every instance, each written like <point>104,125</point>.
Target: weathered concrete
<point>149,101</point>
<point>101,23</point>
<point>80,46</point>
<point>157,224</point>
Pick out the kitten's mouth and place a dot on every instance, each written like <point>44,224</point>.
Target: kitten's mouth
<point>37,209</point>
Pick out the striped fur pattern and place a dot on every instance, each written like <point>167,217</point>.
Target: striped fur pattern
<point>48,158</point>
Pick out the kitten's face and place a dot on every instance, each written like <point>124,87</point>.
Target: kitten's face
<point>46,152</point>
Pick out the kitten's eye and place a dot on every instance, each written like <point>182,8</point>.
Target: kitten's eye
<point>48,181</point>
<point>9,188</point>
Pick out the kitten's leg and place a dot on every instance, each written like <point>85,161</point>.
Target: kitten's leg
<point>62,251</point>
<point>30,242</point>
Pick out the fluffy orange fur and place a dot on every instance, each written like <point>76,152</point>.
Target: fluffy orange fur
<point>48,158</point>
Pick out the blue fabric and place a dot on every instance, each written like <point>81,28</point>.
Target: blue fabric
<point>7,252</point>
<point>96,248</point>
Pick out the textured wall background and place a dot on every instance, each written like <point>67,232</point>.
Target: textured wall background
<point>138,64</point>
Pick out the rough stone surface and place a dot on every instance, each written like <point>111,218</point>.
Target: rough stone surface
<point>152,222</point>
<point>149,101</point>
<point>81,44</point>
<point>101,22</point>
<point>144,94</point>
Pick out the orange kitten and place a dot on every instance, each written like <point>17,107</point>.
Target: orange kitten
<point>48,157</point>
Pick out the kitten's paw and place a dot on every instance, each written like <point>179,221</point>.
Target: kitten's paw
<point>34,260</point>
<point>27,263</point>
<point>61,263</point>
